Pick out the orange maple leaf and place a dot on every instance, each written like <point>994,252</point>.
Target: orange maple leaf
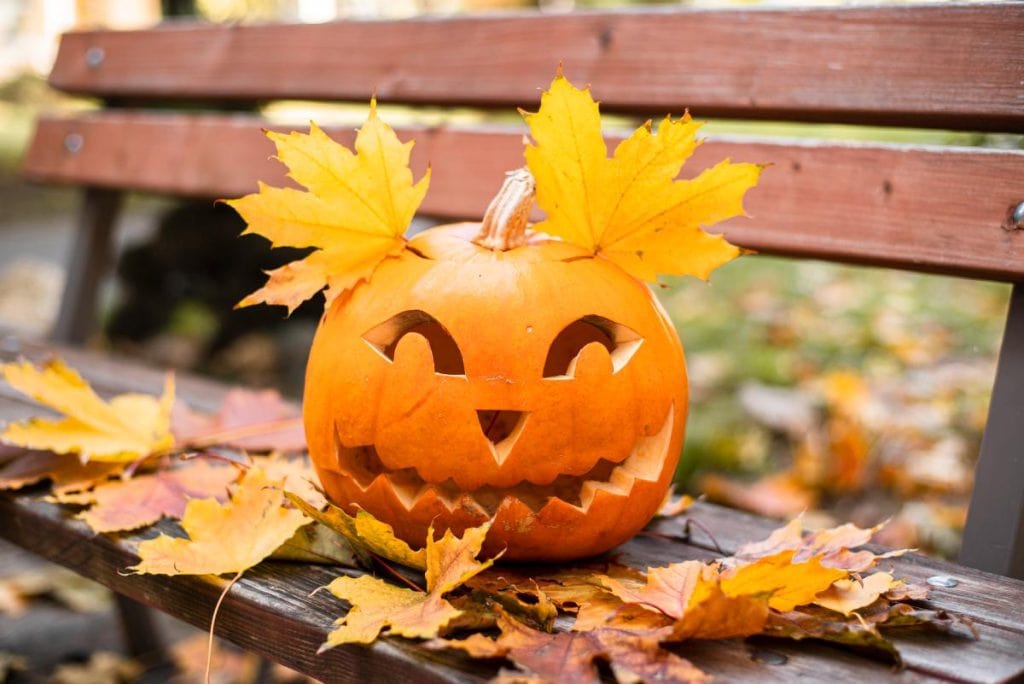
<point>142,500</point>
<point>573,656</point>
<point>20,467</point>
<point>253,420</point>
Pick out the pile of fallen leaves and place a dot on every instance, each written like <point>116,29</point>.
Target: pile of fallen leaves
<point>134,459</point>
<point>876,415</point>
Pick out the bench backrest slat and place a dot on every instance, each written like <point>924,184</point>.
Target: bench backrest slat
<point>933,209</point>
<point>955,66</point>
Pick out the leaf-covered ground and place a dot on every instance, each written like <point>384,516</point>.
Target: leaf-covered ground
<point>854,394</point>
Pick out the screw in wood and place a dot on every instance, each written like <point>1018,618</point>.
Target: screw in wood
<point>73,142</point>
<point>944,581</point>
<point>1017,217</point>
<point>94,57</point>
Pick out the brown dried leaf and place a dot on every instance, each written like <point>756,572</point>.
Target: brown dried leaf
<point>103,667</point>
<point>20,467</point>
<point>812,622</point>
<point>862,630</point>
<point>668,589</point>
<point>492,592</point>
<point>780,495</point>
<point>253,420</point>
<point>142,500</point>
<point>57,583</point>
<point>228,664</point>
<point>573,656</point>
<point>906,591</point>
<point>9,663</point>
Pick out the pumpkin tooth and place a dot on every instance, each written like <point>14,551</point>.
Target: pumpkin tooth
<point>361,463</point>
<point>648,456</point>
<point>590,489</point>
<point>450,501</point>
<point>407,490</point>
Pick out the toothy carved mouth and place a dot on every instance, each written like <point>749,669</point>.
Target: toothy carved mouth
<point>644,463</point>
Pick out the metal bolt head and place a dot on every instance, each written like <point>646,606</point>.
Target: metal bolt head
<point>944,581</point>
<point>1017,216</point>
<point>94,57</point>
<point>73,142</point>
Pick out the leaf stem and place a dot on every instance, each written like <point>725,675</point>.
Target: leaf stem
<point>213,622</point>
<point>397,575</point>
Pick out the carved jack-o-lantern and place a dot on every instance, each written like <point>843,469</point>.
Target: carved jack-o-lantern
<point>490,372</point>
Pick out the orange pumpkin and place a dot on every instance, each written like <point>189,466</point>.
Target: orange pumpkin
<point>489,371</point>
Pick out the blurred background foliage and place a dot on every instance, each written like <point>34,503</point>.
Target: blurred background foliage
<point>845,392</point>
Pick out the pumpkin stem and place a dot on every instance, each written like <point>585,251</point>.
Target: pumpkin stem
<point>504,224</point>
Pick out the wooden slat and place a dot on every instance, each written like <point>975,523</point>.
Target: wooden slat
<point>272,612</point>
<point>931,209</point>
<point>950,65</point>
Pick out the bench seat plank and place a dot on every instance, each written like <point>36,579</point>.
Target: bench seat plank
<point>950,65</point>
<point>922,208</point>
<point>276,595</point>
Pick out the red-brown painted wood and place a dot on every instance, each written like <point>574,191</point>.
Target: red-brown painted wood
<point>932,209</point>
<point>949,65</point>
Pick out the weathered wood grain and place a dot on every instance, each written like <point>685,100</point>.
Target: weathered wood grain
<point>921,208</point>
<point>988,598</point>
<point>950,65</point>
<point>272,613</point>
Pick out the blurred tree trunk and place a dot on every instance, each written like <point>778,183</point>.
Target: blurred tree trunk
<point>178,8</point>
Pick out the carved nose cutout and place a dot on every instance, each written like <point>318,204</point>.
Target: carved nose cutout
<point>502,430</point>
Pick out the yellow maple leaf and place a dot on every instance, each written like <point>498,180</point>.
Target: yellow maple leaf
<point>629,208</point>
<point>378,605</point>
<point>364,532</point>
<point>224,538</point>
<point>128,427</point>
<point>355,210</point>
<point>710,603</point>
<point>789,584</point>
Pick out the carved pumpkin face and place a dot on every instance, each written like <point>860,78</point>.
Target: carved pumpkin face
<point>539,386</point>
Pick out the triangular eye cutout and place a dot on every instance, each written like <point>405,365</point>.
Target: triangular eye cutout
<point>384,339</point>
<point>620,341</point>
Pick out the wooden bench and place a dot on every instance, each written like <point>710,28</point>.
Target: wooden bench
<point>948,210</point>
